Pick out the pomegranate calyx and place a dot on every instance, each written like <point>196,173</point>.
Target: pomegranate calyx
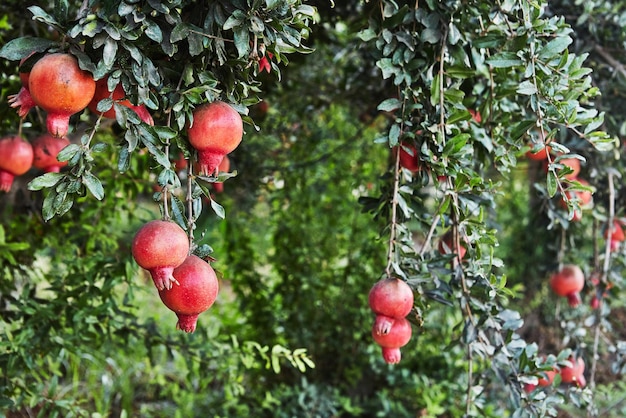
<point>6,181</point>
<point>22,101</point>
<point>392,355</point>
<point>163,278</point>
<point>573,299</point>
<point>383,324</point>
<point>187,323</point>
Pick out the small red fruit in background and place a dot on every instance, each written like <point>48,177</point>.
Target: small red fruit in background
<point>16,158</point>
<point>391,297</point>
<point>398,336</point>
<point>409,157</point>
<point>574,164</point>
<point>195,293</point>
<point>217,129</point>
<point>22,100</point>
<point>224,167</point>
<point>159,247</point>
<point>616,234</point>
<point>58,86</point>
<point>568,282</point>
<point>574,373</point>
<point>476,115</point>
<point>540,155</point>
<point>45,150</point>
<point>102,92</point>
<point>446,246</point>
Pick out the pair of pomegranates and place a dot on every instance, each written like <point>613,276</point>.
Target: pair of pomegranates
<point>571,374</point>
<point>17,156</point>
<point>391,300</point>
<point>187,284</point>
<point>58,85</point>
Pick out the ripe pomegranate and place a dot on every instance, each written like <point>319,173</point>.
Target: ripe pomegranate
<point>446,245</point>
<point>617,232</point>
<point>196,292</point>
<point>409,157</point>
<point>568,282</point>
<point>159,247</point>
<point>391,297</point>
<point>574,164</point>
<point>45,150</point>
<point>61,88</point>
<point>217,129</point>
<point>575,372</point>
<point>102,92</point>
<point>224,167</point>
<point>398,336</point>
<point>22,100</point>
<point>585,197</point>
<point>540,155</point>
<point>16,158</point>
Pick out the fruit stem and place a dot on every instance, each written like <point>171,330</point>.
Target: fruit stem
<point>394,201</point>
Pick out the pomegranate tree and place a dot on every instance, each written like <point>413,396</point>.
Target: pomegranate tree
<point>118,95</point>
<point>568,282</point>
<point>58,86</point>
<point>45,150</point>
<point>398,336</point>
<point>160,246</point>
<point>216,130</point>
<point>16,158</point>
<point>196,291</point>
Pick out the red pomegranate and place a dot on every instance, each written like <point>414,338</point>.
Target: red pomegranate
<point>16,158</point>
<point>45,150</point>
<point>391,297</point>
<point>409,157</point>
<point>102,92</point>
<point>575,372</point>
<point>615,235</point>
<point>224,167</point>
<point>22,100</point>
<point>398,336</point>
<point>217,129</point>
<point>160,246</point>
<point>61,88</point>
<point>196,291</point>
<point>568,282</point>
<point>446,245</point>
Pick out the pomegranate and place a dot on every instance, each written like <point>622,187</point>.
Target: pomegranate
<point>574,164</point>
<point>217,129</point>
<point>409,157</point>
<point>391,297</point>
<point>575,372</point>
<point>196,292</point>
<point>159,247</point>
<point>568,282</point>
<point>446,245</point>
<point>540,155</point>
<point>61,88</point>
<point>22,100</point>
<point>45,150</point>
<point>224,167</point>
<point>616,235</point>
<point>476,116</point>
<point>585,197</point>
<point>16,158</point>
<point>398,336</point>
<point>102,92</point>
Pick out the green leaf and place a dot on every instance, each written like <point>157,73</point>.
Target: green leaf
<point>94,185</point>
<point>45,181</point>
<point>19,48</point>
<point>521,128</point>
<point>68,152</point>
<point>551,183</point>
<point>526,88</point>
<point>504,60</point>
<point>218,209</point>
<point>242,41</point>
<point>389,105</point>
<point>554,47</point>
